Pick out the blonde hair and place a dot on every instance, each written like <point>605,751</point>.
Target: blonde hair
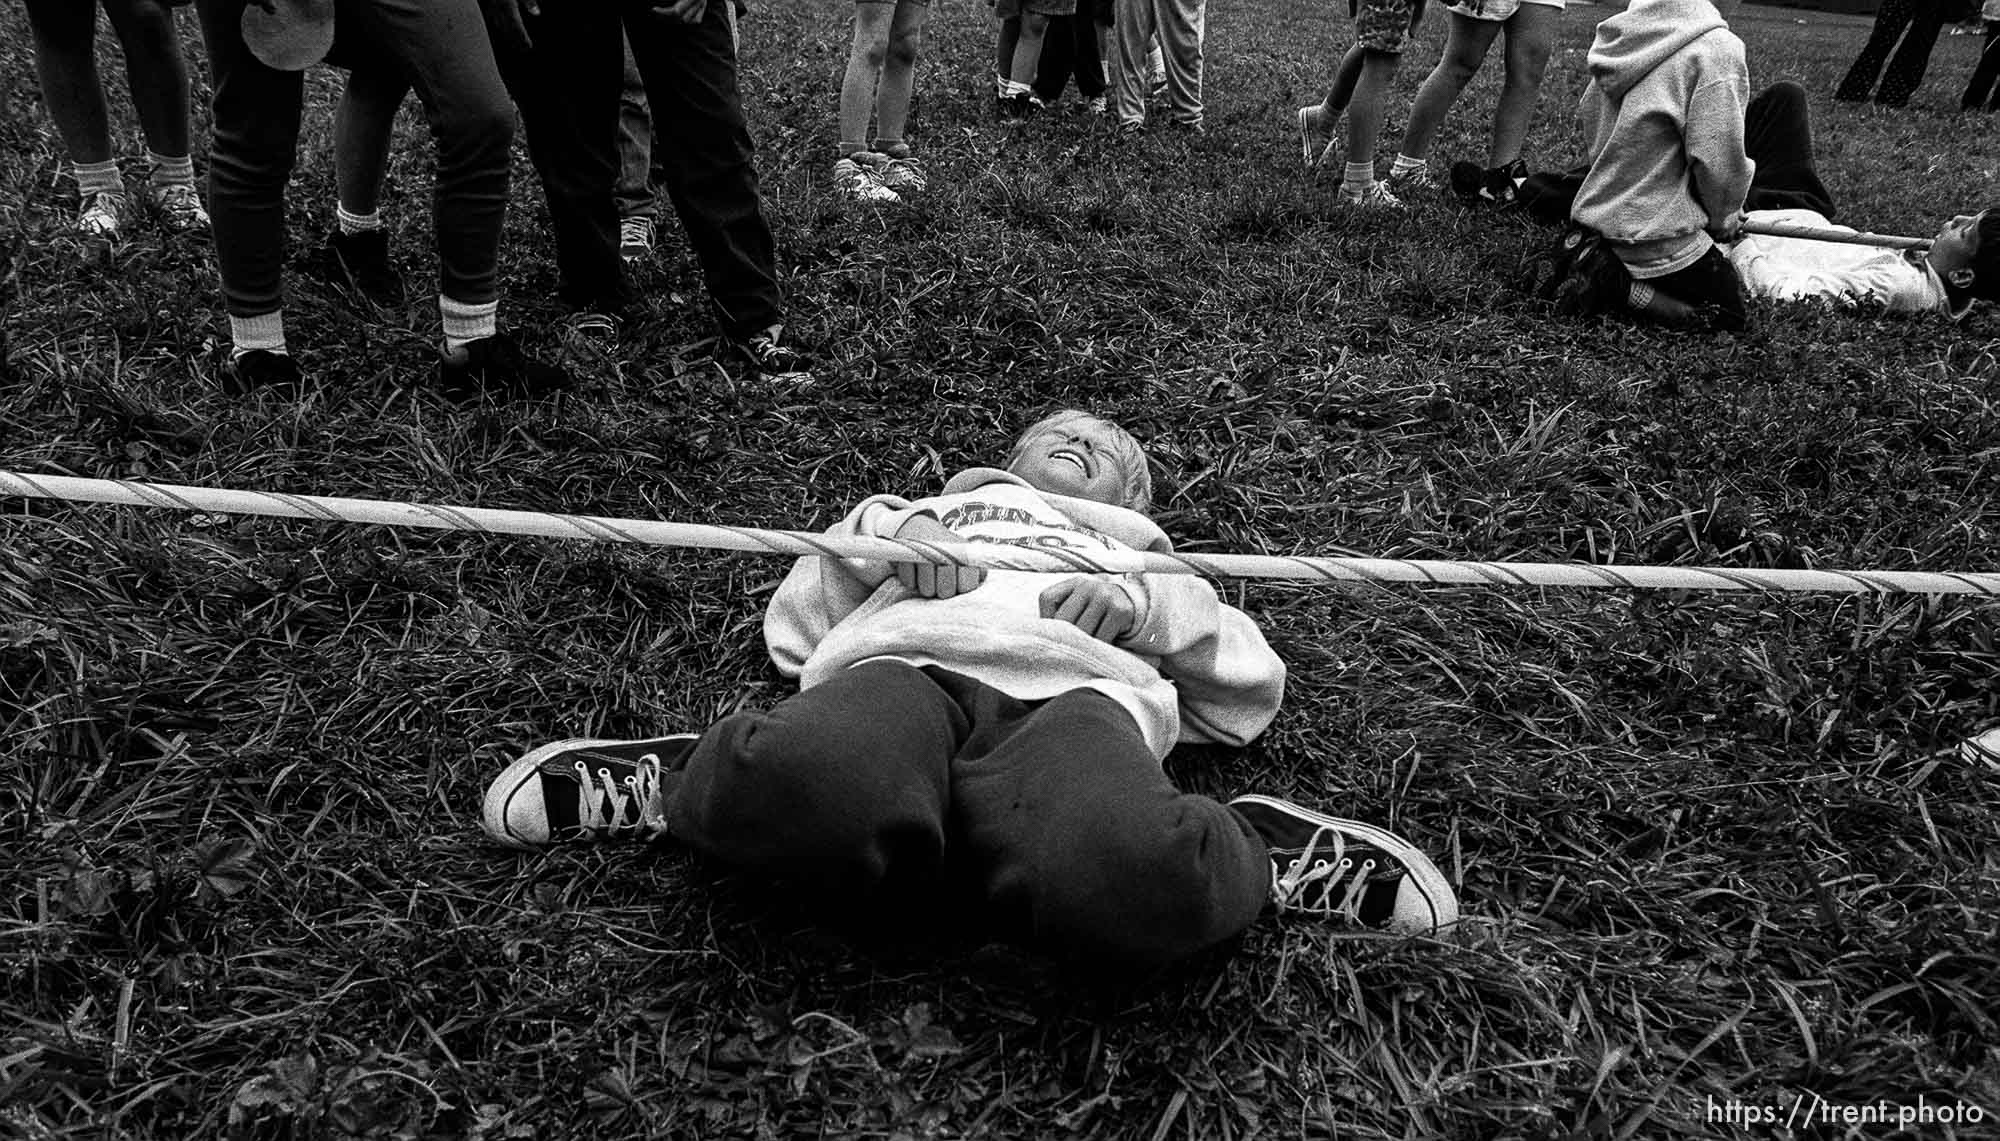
<point>1138,473</point>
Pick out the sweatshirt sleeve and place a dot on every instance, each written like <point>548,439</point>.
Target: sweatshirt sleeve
<point>1591,118</point>
<point>1228,678</point>
<point>1721,171</point>
<point>819,592</point>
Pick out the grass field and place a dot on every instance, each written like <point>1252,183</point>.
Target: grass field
<point>1713,850</point>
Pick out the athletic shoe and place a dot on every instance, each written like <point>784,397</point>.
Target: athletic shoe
<point>1597,281</point>
<point>593,330</point>
<point>360,262</point>
<point>635,238</point>
<point>858,180</point>
<point>1097,105</point>
<point>496,366</point>
<point>770,358</point>
<point>179,206</point>
<point>1316,144</point>
<point>1498,186</point>
<point>262,370</point>
<point>1376,195</point>
<point>1418,181</point>
<point>1021,106</point>
<point>902,175</point>
<point>1983,749</point>
<point>583,790</point>
<point>1329,868</point>
<point>1131,130</point>
<point>101,215</point>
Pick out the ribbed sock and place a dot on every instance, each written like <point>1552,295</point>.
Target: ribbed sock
<point>1640,296</point>
<point>94,178</point>
<point>1404,164</point>
<point>265,331</point>
<point>1359,177</point>
<point>169,170</point>
<point>356,223</point>
<point>465,323</point>
<point>849,150</point>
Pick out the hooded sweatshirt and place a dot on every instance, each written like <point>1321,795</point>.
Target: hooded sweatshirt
<point>1664,113</point>
<point>1192,668</point>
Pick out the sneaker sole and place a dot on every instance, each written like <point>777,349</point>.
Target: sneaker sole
<point>1429,881</point>
<point>515,777</point>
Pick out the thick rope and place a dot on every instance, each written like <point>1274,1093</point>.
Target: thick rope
<point>996,556</point>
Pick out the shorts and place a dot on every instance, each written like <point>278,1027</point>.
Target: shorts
<point>1497,11</point>
<point>1009,9</point>
<point>1384,25</point>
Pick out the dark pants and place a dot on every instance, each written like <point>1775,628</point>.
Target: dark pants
<point>888,785</point>
<point>1069,50</point>
<point>1981,90</point>
<point>1923,19</point>
<point>441,46</point>
<point>568,88</point>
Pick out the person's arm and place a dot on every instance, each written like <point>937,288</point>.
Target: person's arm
<point>1720,170</point>
<point>1229,679</point>
<point>818,593</point>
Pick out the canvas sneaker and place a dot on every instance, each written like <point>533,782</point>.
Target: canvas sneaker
<point>1021,106</point>
<point>496,366</point>
<point>100,216</point>
<point>1498,186</point>
<point>262,370</point>
<point>179,206</point>
<point>1418,181</point>
<point>902,175</point>
<point>859,181</point>
<point>635,239</point>
<point>1097,105</point>
<point>584,790</point>
<point>1316,138</point>
<point>1376,195</point>
<point>591,331</point>
<point>360,261</point>
<point>771,359</point>
<point>1596,281</point>
<point>1343,870</point>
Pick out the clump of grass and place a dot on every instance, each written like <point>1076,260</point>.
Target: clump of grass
<point>1709,847</point>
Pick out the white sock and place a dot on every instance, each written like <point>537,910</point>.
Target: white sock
<point>1406,165</point>
<point>1641,295</point>
<point>1360,176</point>
<point>171,170</point>
<point>265,331</point>
<point>351,224</point>
<point>94,178</point>
<point>465,322</point>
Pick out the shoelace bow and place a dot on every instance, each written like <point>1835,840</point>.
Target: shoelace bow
<point>1291,888</point>
<point>602,809</point>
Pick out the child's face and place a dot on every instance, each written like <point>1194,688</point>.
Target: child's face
<point>1956,245</point>
<point>1079,457</point>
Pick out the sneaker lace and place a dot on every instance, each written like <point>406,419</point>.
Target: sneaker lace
<point>1312,882</point>
<point>635,232</point>
<point>609,806</point>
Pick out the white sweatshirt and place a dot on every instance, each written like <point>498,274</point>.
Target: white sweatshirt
<point>1192,668</point>
<point>1789,269</point>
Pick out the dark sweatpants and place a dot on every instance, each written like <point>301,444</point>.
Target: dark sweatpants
<point>1981,90</point>
<point>1069,51</point>
<point>442,46</point>
<point>1923,19</point>
<point>568,88</point>
<point>893,784</point>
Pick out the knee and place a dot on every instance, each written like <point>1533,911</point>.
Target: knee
<point>1034,25</point>
<point>257,153</point>
<point>1525,67</point>
<point>874,52</point>
<point>904,46</point>
<point>479,130</point>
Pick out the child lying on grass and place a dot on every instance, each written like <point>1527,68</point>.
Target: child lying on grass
<point>994,738</point>
<point>1961,266</point>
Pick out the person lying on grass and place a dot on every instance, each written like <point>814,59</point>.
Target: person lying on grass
<point>1961,266</point>
<point>992,740</point>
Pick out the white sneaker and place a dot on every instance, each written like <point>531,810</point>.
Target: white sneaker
<point>1315,144</point>
<point>635,238</point>
<point>101,215</point>
<point>859,181</point>
<point>1098,105</point>
<point>902,175</point>
<point>1375,194</point>
<point>179,206</point>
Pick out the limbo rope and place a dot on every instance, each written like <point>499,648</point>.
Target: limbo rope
<point>1840,237</point>
<point>996,556</point>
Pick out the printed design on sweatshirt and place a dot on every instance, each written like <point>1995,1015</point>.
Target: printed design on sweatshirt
<point>973,514</point>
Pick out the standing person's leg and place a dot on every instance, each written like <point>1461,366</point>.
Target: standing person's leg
<point>1913,58</point>
<point>1318,121</point>
<point>1890,20</point>
<point>635,193</point>
<point>1531,35</point>
<point>1079,844</point>
<point>854,171</point>
<point>1005,37</point>
<point>690,72</point>
<point>1381,30</point>
<point>898,86</point>
<point>1466,42</point>
<point>364,127</point>
<point>1058,58</point>
<point>1094,53</point>
<point>158,73</point>
<point>566,87</point>
<point>1132,26</point>
<point>65,35</point>
<point>1181,26</point>
<point>252,146</point>
<point>1777,136</point>
<point>1980,87</point>
<point>1027,54</point>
